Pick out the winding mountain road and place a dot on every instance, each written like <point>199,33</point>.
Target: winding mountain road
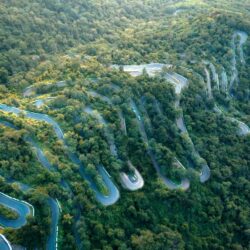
<point>208,80</point>
<point>180,83</point>
<point>133,182</point>
<point>31,90</point>
<point>170,184</point>
<point>52,242</point>
<point>22,208</point>
<point>224,81</point>
<point>242,40</point>
<point>55,213</point>
<point>215,75</point>
<point>243,128</point>
<point>4,243</point>
<point>104,199</point>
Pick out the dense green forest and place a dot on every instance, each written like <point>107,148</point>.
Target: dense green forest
<point>77,114</point>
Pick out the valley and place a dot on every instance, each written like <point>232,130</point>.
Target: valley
<point>130,132</point>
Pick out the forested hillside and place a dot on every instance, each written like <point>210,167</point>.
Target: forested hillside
<point>125,124</point>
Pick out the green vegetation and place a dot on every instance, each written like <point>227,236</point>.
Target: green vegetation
<point>46,42</point>
<point>8,213</point>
